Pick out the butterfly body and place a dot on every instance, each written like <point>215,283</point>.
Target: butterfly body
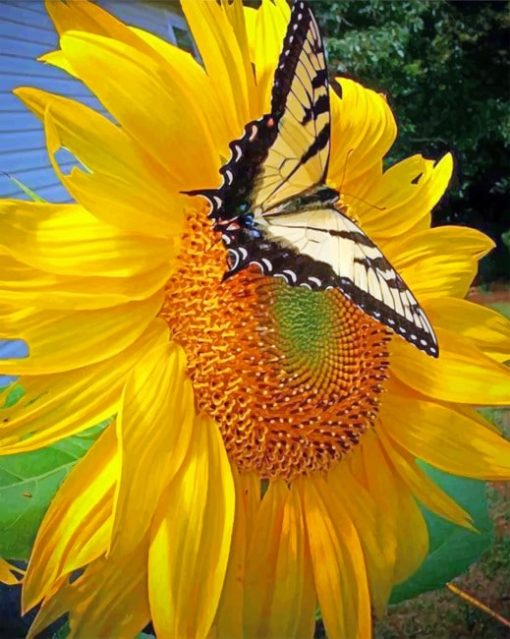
<point>275,211</point>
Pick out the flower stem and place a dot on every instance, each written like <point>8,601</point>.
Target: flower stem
<point>478,604</point>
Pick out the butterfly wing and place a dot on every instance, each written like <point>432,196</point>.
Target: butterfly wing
<point>298,159</point>
<point>283,155</point>
<point>322,249</point>
<point>286,152</point>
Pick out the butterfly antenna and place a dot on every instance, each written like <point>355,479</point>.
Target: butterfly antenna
<point>360,199</point>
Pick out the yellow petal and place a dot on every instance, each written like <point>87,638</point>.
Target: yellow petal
<point>9,574</point>
<point>397,505</point>
<point>375,533</point>
<point>420,484</point>
<point>250,20</point>
<point>61,341</point>
<point>195,83</point>
<point>88,16</point>
<point>159,119</point>
<point>462,373</point>
<point>413,538</point>
<point>439,261</point>
<point>268,31</point>
<point>56,406</point>
<point>337,560</point>
<point>68,240</point>
<point>23,284</point>
<point>362,131</point>
<point>226,61</point>
<point>76,527</point>
<point>486,328</point>
<point>279,591</point>
<point>114,163</point>
<point>58,59</point>
<point>229,617</point>
<point>110,599</point>
<point>401,197</point>
<point>157,391</point>
<point>51,609</point>
<point>445,438</point>
<point>305,627</point>
<point>191,539</point>
<point>474,414</point>
<point>154,428</point>
<point>235,15</point>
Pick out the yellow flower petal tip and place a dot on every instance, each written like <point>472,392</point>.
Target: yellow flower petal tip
<point>262,459</point>
<point>9,574</point>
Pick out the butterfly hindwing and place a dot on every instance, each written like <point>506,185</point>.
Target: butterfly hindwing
<point>322,249</point>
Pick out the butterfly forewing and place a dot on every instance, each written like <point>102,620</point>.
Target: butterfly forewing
<point>298,158</point>
<point>285,152</point>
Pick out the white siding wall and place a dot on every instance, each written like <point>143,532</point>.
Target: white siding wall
<point>26,32</point>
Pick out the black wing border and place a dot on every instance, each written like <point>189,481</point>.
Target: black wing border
<point>248,153</point>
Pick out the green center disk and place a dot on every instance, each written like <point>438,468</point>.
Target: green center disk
<point>308,326</point>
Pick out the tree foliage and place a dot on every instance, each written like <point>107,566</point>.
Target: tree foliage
<point>445,69</point>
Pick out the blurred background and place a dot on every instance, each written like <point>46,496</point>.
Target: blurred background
<point>444,67</point>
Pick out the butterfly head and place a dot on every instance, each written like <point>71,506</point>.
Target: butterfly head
<point>242,208</point>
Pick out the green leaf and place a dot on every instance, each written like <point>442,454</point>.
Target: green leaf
<point>62,632</point>
<point>502,307</point>
<point>26,190</point>
<point>452,548</point>
<point>13,394</point>
<point>28,482</point>
<point>506,239</point>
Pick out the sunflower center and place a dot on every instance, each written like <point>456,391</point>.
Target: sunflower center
<point>291,376</point>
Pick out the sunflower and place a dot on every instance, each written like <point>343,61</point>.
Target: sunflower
<point>262,458</point>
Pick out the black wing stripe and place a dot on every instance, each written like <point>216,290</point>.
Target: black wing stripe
<point>314,110</point>
<point>353,263</point>
<point>317,145</point>
<point>320,79</point>
<point>303,52</point>
<point>251,155</point>
<point>298,269</point>
<point>293,43</point>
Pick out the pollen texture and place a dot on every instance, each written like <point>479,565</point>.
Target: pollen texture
<point>291,376</point>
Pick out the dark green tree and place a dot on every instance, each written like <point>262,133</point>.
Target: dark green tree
<point>445,69</point>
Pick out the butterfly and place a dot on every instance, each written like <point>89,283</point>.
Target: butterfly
<point>275,211</point>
